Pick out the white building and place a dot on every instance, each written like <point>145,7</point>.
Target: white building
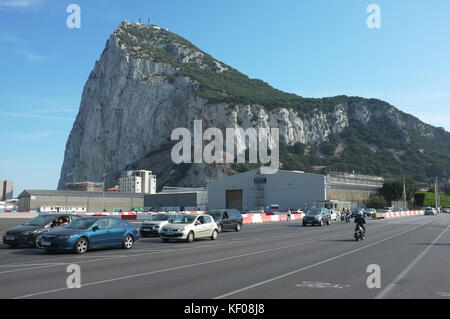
<point>139,181</point>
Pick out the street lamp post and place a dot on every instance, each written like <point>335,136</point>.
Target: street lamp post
<point>103,197</point>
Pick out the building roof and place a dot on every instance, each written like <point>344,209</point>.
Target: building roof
<point>30,192</point>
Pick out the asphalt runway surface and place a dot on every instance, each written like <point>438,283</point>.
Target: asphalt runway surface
<point>263,261</point>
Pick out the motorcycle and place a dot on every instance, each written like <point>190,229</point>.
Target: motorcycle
<point>347,218</point>
<point>359,233</point>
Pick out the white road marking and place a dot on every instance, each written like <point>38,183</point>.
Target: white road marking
<point>443,294</point>
<point>29,265</point>
<point>313,284</point>
<point>316,264</point>
<point>386,291</point>
<point>176,250</point>
<point>200,264</point>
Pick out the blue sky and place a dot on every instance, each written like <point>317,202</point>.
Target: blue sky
<point>313,48</point>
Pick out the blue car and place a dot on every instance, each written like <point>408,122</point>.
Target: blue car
<point>90,233</point>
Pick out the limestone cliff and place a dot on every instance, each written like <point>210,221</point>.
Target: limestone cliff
<point>150,81</point>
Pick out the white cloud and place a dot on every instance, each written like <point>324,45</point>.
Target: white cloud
<point>36,135</point>
<point>14,4</point>
<point>31,56</point>
<point>35,116</point>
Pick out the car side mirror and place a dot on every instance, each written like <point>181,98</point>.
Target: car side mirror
<point>197,223</point>
<point>94,228</point>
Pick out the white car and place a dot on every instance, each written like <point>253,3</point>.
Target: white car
<point>333,215</point>
<point>189,228</point>
<point>430,211</point>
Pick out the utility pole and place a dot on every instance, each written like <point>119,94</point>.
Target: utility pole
<point>404,193</point>
<point>103,197</point>
<point>436,193</point>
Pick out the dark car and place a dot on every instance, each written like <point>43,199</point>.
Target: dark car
<point>227,219</point>
<point>88,233</point>
<point>317,216</point>
<point>28,233</point>
<point>358,211</point>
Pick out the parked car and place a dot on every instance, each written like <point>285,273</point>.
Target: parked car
<point>382,213</point>
<point>152,227</point>
<point>357,211</point>
<point>189,228</point>
<point>430,211</point>
<point>317,216</point>
<point>90,233</point>
<point>227,219</point>
<point>369,211</point>
<point>28,233</point>
<point>446,210</point>
<point>333,215</point>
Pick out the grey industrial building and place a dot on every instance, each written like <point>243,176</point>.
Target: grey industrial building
<point>93,201</point>
<point>257,189</point>
<point>177,198</point>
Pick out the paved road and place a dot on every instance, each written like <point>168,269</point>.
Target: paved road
<point>278,260</point>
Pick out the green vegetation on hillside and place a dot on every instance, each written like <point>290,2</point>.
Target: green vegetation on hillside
<point>380,147</point>
<point>429,199</point>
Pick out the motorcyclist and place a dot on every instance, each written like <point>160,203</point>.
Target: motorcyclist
<point>347,216</point>
<point>361,221</point>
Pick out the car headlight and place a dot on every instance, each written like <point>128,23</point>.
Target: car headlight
<point>181,229</point>
<point>156,226</point>
<point>65,237</point>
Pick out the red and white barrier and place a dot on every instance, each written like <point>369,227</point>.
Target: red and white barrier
<point>123,215</point>
<point>268,218</point>
<point>402,214</point>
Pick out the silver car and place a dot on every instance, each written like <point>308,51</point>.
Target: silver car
<point>430,211</point>
<point>189,228</point>
<point>152,227</point>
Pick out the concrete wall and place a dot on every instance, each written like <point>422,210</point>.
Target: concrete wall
<point>193,199</point>
<point>286,188</point>
<point>92,203</point>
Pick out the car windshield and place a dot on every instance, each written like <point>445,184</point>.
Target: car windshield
<point>83,223</point>
<point>160,217</point>
<point>182,219</point>
<point>39,221</point>
<point>314,212</point>
<point>215,215</point>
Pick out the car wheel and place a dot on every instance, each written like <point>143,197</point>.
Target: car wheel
<point>81,246</point>
<point>190,237</point>
<point>128,242</point>
<point>304,224</point>
<point>214,235</point>
<point>238,227</point>
<point>219,228</point>
<point>165,240</point>
<point>329,221</point>
<point>321,223</point>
